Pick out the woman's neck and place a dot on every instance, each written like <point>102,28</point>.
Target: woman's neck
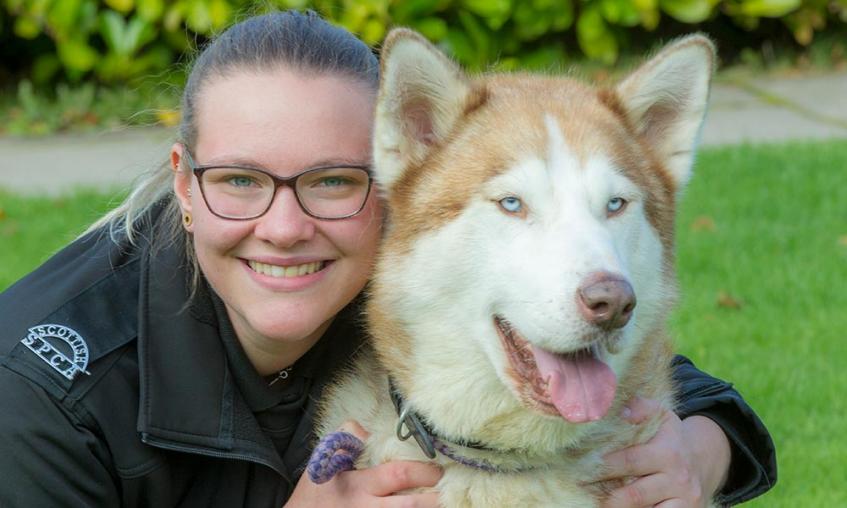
<point>270,355</point>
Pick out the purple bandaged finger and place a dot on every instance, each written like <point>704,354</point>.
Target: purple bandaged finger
<point>334,453</point>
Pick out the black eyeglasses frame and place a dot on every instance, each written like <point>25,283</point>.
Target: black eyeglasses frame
<point>278,181</point>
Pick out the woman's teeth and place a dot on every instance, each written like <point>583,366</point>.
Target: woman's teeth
<point>285,271</point>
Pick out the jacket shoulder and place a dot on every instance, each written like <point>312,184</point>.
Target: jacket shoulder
<point>57,322</point>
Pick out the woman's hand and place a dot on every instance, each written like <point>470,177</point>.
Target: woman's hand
<point>372,487</point>
<point>683,465</point>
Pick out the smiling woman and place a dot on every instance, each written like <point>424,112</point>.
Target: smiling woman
<point>214,304</point>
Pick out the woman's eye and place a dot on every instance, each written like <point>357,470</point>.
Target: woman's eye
<point>241,181</point>
<point>511,204</point>
<point>334,181</point>
<point>615,205</point>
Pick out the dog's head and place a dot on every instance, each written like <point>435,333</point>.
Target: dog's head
<point>529,243</point>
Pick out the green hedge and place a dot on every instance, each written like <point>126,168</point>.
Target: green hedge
<point>118,40</point>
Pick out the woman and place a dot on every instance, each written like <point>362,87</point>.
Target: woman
<point>173,355</point>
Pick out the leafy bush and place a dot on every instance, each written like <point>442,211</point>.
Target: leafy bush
<point>84,106</point>
<point>118,40</point>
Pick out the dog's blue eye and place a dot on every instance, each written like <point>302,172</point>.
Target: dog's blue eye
<point>615,205</point>
<point>511,204</point>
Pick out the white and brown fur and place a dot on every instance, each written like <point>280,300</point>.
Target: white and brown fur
<point>447,148</point>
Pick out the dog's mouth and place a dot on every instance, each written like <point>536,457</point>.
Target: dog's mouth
<point>578,385</point>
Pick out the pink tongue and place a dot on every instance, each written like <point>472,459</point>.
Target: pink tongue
<point>582,389</point>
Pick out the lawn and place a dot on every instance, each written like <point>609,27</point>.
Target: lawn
<point>34,228</point>
<point>762,259</point>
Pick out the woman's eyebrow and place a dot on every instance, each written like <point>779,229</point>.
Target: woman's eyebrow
<point>253,163</point>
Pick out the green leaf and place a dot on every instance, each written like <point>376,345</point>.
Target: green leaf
<point>27,27</point>
<point>494,12</point>
<point>150,10</point>
<point>198,16</point>
<point>508,64</point>
<point>434,29</point>
<point>620,12</point>
<point>594,36</point>
<point>769,8</point>
<point>529,25</point>
<point>27,98</point>
<point>480,39</point>
<point>62,18</point>
<point>546,58</point>
<point>688,11</point>
<point>122,6</point>
<point>138,33</point>
<point>220,13</point>
<point>409,12</point>
<point>173,18</point>
<point>45,68</point>
<point>112,28</point>
<point>77,56</point>
<point>562,14</point>
<point>373,31</point>
<point>124,38</point>
<point>646,5</point>
<point>459,45</point>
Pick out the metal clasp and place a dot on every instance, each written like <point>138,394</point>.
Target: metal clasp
<point>416,430</point>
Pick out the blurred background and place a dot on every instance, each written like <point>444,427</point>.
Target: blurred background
<point>89,93</point>
<point>77,64</point>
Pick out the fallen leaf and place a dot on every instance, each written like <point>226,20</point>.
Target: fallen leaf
<point>727,301</point>
<point>10,229</point>
<point>703,223</point>
<point>2,214</point>
<point>842,240</point>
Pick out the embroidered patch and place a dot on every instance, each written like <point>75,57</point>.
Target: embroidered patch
<point>51,343</point>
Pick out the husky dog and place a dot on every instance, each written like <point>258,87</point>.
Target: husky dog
<point>527,215</point>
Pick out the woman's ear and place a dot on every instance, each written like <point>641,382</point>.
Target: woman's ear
<point>182,183</point>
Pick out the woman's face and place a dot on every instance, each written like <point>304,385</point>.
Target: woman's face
<point>282,123</point>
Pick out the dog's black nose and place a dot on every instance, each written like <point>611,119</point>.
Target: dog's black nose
<point>606,300</point>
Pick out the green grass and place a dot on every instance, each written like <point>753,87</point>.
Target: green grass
<point>765,226</point>
<point>34,228</point>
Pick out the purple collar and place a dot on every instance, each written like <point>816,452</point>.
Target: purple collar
<point>429,442</point>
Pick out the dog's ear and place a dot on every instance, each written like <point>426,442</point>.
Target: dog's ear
<point>666,98</point>
<point>422,94</point>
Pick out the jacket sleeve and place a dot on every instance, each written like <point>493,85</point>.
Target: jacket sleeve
<point>47,457</point>
<point>752,469</point>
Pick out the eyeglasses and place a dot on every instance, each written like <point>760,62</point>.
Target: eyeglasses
<point>244,193</point>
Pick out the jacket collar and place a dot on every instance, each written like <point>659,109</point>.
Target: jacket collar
<point>188,398</point>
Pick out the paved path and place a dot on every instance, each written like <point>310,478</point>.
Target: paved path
<point>758,110</point>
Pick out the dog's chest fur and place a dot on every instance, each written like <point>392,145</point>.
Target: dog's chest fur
<point>553,480</point>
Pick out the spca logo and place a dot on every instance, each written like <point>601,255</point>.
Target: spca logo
<point>60,347</point>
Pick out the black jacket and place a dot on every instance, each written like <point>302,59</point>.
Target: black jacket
<point>114,392</point>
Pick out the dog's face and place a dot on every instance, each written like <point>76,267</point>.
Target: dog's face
<point>529,244</point>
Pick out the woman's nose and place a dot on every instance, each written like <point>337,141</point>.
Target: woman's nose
<point>285,223</point>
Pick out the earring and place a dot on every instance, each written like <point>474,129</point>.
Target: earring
<point>186,219</point>
<point>189,192</point>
